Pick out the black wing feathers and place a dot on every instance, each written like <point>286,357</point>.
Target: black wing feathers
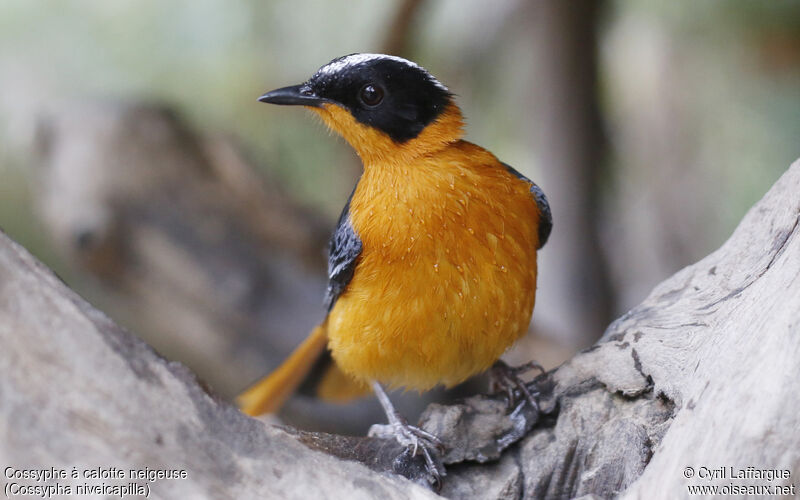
<point>545,216</point>
<point>344,249</point>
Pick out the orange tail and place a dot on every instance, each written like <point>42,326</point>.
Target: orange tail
<point>270,393</point>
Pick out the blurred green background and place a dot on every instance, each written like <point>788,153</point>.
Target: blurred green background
<point>652,126</point>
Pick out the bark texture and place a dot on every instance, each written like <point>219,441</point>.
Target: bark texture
<point>703,373</point>
<point>77,390</point>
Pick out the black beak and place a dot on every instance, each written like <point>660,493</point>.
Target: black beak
<point>296,95</point>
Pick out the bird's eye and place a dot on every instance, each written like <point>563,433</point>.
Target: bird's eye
<point>371,95</point>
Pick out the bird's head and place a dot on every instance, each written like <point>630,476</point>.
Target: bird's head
<point>389,109</point>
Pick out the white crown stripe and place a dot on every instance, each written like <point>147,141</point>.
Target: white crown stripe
<point>355,59</point>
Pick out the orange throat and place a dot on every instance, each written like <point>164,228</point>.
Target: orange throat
<point>376,147</point>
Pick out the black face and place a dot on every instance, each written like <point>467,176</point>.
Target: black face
<point>388,93</point>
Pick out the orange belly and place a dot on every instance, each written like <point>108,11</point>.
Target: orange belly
<point>446,279</point>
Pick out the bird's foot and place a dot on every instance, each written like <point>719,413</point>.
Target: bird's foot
<point>417,441</point>
<point>413,438</point>
<point>507,378</point>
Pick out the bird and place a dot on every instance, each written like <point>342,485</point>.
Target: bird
<point>432,266</point>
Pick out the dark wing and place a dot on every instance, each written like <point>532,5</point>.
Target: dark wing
<point>344,249</point>
<point>545,216</point>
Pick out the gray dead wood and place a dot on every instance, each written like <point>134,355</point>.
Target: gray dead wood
<point>77,390</point>
<point>703,373</point>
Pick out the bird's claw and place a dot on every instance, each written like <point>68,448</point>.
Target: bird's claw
<point>416,440</point>
<point>507,378</point>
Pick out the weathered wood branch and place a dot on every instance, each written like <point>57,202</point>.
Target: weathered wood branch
<point>703,373</point>
<point>77,390</point>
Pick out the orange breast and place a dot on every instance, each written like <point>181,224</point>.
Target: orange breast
<point>446,279</point>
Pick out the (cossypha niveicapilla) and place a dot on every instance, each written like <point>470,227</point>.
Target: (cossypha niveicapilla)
<point>432,266</point>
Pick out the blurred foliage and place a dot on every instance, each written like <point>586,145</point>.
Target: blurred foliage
<point>212,58</point>
<point>739,66</point>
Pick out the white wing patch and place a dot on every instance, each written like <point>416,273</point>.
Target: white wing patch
<point>355,59</point>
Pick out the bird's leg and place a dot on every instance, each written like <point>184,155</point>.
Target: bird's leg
<point>416,439</point>
<point>507,378</point>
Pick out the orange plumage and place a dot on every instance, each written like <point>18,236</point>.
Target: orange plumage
<point>445,280</point>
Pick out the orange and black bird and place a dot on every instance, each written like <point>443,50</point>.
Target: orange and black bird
<point>432,266</point>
